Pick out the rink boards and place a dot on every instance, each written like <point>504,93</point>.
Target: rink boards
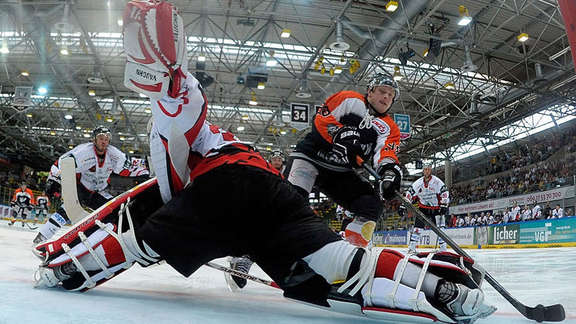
<point>528,234</point>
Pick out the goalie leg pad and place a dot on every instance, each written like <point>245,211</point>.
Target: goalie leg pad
<point>102,245</point>
<point>425,286</point>
<point>101,255</point>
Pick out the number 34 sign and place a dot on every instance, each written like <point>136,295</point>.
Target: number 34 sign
<point>299,115</point>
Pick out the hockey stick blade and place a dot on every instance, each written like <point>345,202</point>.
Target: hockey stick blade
<point>540,313</point>
<point>553,313</point>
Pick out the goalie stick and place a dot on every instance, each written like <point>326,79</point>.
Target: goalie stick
<point>72,205</point>
<point>552,313</point>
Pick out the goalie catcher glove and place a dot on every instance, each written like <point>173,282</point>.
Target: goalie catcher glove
<point>346,141</point>
<point>390,179</point>
<point>155,46</point>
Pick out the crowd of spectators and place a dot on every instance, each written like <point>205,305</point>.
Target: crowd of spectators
<point>510,215</point>
<point>538,177</point>
<point>514,156</point>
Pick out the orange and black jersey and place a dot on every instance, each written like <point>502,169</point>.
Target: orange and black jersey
<point>22,198</point>
<point>379,136</point>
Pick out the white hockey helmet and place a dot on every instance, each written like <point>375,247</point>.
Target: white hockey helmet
<point>381,79</point>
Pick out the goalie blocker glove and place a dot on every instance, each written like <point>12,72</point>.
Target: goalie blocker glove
<point>390,179</point>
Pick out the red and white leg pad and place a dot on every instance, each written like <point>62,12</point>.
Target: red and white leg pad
<point>95,248</point>
<point>399,287</point>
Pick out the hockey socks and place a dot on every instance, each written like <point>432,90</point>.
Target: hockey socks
<point>359,231</point>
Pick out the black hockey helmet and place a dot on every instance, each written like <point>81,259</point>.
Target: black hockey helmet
<point>102,130</point>
<point>381,79</point>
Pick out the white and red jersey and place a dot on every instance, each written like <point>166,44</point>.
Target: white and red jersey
<point>431,194</point>
<point>23,198</point>
<point>183,145</point>
<point>379,135</point>
<point>94,172</point>
<point>536,212</point>
<point>514,214</point>
<point>42,202</point>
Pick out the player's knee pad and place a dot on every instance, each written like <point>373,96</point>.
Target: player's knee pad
<point>101,245</point>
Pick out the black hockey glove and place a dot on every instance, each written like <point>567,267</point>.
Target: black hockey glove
<point>401,210</point>
<point>52,187</point>
<point>346,142</point>
<point>390,179</point>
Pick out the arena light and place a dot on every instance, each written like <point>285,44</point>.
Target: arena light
<point>253,101</point>
<point>522,37</point>
<point>465,18</point>
<point>271,62</point>
<point>91,92</point>
<point>282,132</point>
<point>29,115</point>
<point>120,22</point>
<point>4,49</point>
<point>42,90</point>
<point>25,73</point>
<point>391,6</point>
<point>240,128</point>
<point>285,33</point>
<point>86,135</point>
<point>245,117</point>
<point>64,51</point>
<point>337,70</point>
<point>261,85</point>
<point>397,74</point>
<point>201,58</point>
<point>449,85</point>
<point>68,117</point>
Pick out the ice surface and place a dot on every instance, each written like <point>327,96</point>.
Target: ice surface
<point>160,295</point>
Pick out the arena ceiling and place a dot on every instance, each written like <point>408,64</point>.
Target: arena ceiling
<point>475,79</point>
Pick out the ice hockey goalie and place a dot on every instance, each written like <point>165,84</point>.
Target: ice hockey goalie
<point>380,283</point>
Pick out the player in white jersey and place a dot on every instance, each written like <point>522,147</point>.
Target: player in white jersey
<point>95,162</point>
<point>514,214</point>
<point>216,197</point>
<point>433,199</point>
<point>536,212</point>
